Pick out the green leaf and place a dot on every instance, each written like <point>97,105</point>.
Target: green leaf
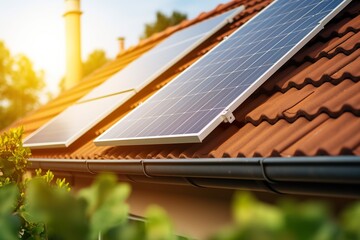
<point>158,225</point>
<point>9,223</point>
<point>9,195</point>
<point>350,221</point>
<point>308,220</point>
<point>104,198</point>
<point>248,211</point>
<point>36,202</point>
<point>9,227</point>
<point>63,214</point>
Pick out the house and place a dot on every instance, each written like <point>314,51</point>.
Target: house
<point>299,133</point>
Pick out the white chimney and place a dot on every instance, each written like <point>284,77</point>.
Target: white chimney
<point>73,43</point>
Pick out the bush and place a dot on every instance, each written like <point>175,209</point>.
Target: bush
<point>41,208</point>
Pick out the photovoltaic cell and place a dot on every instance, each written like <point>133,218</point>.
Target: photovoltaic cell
<point>203,96</point>
<point>69,125</point>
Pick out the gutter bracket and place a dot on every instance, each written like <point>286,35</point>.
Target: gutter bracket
<point>144,169</point>
<point>227,116</point>
<point>87,167</point>
<point>264,172</point>
<point>268,181</point>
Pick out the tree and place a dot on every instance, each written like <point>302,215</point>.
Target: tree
<point>20,86</point>
<point>162,22</point>
<point>95,60</point>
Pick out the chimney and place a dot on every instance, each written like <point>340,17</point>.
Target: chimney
<point>73,43</point>
<point>121,44</point>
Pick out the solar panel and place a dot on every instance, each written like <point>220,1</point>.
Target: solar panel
<point>65,128</point>
<point>206,94</point>
<point>153,63</point>
<point>69,125</point>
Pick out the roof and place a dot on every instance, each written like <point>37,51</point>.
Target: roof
<point>311,106</point>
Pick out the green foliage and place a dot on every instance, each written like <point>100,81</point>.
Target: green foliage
<point>18,190</point>
<point>350,222</point>
<point>13,158</point>
<point>162,22</point>
<point>20,86</point>
<point>289,220</point>
<point>158,225</point>
<point>48,177</point>
<point>132,230</point>
<point>310,220</point>
<point>53,212</point>
<point>95,60</point>
<point>104,198</point>
<point>9,222</point>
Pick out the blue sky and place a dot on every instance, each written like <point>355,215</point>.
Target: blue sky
<point>36,28</point>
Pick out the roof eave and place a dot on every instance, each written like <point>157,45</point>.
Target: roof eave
<point>337,176</point>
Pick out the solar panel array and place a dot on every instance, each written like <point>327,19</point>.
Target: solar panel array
<point>69,125</point>
<point>203,96</point>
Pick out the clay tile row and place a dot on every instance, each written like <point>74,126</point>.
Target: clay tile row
<point>302,137</point>
<point>315,73</point>
<point>308,101</point>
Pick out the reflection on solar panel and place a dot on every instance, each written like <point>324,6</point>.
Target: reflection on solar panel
<point>68,126</point>
<point>65,128</point>
<point>152,64</point>
<point>206,94</point>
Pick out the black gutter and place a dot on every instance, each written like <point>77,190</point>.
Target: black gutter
<point>327,176</point>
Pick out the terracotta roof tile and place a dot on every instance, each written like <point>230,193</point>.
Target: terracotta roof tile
<point>271,108</point>
<point>343,25</point>
<point>308,101</point>
<point>315,73</point>
<point>344,44</point>
<point>328,135</point>
<point>351,70</point>
<point>297,138</point>
<point>330,99</point>
<point>311,106</point>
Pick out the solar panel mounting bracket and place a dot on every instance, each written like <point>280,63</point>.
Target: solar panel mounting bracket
<point>230,19</point>
<point>227,116</point>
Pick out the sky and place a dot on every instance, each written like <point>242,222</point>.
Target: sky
<point>36,28</point>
